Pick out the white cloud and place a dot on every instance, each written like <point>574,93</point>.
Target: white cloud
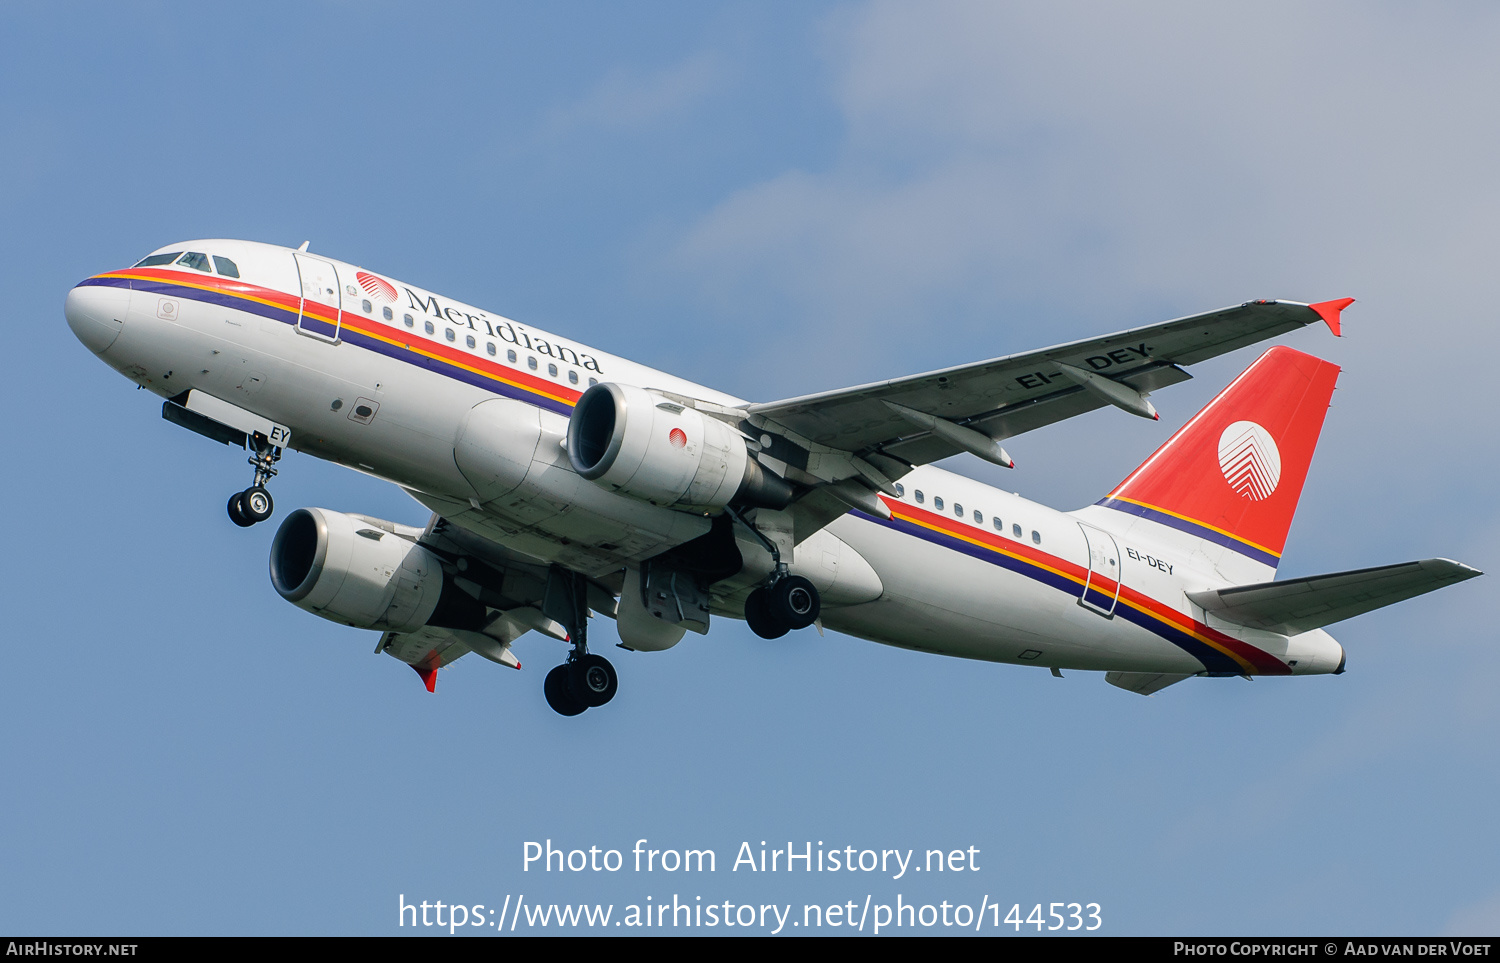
<point>1011,175</point>
<point>1479,919</point>
<point>1191,152</point>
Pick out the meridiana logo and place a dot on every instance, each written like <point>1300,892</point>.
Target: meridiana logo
<point>378,288</point>
<point>1250,460</point>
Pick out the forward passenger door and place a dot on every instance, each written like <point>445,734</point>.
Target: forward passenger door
<point>321,301</point>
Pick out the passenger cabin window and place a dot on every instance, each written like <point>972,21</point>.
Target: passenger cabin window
<point>387,313</point>
<point>407,320</point>
<point>958,510</point>
<point>510,355</point>
<point>226,267</point>
<point>490,347</point>
<point>999,525</point>
<point>1036,537</point>
<point>428,325</point>
<point>531,362</point>
<point>920,499</point>
<point>366,305</point>
<point>470,341</point>
<point>552,370</point>
<point>448,333</point>
<point>978,517</point>
<point>156,259</point>
<point>937,502</point>
<point>573,377</point>
<point>196,261</point>
<point>593,381</point>
<point>900,490</point>
<point>1016,530</point>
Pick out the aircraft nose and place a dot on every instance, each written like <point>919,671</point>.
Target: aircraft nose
<point>96,313</point>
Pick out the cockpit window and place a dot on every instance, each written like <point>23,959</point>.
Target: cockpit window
<point>226,267</point>
<point>156,259</point>
<point>196,261</point>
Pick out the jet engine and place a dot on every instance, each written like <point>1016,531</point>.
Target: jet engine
<point>354,572</point>
<point>641,443</point>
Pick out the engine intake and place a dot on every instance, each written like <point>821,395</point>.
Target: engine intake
<point>645,445</point>
<point>349,571</point>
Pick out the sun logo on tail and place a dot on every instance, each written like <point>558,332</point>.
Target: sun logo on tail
<point>1250,460</point>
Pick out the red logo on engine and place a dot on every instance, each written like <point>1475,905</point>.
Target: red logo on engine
<point>678,438</point>
<point>378,288</point>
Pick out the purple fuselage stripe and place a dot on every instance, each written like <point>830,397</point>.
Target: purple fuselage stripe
<point>1192,528</point>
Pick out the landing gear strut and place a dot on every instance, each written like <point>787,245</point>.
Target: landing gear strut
<point>785,602</point>
<point>585,681</point>
<point>254,504</point>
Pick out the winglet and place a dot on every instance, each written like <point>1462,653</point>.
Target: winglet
<point>429,676</point>
<point>1329,312</point>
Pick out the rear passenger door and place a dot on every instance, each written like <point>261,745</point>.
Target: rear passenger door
<point>1101,589</point>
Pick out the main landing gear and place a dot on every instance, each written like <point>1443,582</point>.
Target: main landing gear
<point>585,681</point>
<point>254,504</point>
<point>785,602</point>
<point>789,602</point>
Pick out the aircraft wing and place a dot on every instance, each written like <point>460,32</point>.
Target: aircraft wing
<point>428,649</point>
<point>517,596</point>
<point>1298,604</point>
<point>996,399</point>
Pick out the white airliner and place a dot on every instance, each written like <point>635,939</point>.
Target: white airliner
<point>564,480</point>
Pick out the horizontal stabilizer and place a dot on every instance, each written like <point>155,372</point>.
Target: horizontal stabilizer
<point>1300,604</point>
<point>1143,682</point>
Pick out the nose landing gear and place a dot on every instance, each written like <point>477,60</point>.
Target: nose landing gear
<point>254,504</point>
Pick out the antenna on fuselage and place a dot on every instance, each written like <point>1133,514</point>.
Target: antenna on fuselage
<point>303,245</point>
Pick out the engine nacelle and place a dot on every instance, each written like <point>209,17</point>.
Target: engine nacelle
<point>347,570</point>
<point>643,444</point>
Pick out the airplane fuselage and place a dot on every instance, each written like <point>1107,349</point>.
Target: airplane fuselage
<point>391,379</point>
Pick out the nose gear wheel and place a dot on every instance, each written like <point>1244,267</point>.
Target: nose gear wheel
<point>255,504</point>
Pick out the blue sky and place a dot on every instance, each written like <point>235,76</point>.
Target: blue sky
<point>773,199</point>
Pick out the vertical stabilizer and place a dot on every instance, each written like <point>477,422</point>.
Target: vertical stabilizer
<point>1233,474</point>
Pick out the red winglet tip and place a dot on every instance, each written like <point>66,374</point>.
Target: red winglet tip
<point>429,677</point>
<point>1329,312</point>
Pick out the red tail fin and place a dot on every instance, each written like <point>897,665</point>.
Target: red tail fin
<point>1233,474</point>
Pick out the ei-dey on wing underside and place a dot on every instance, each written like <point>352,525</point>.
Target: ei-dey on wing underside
<point>852,442</point>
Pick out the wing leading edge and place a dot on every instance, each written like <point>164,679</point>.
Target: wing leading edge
<point>844,445</point>
<point>1007,396</point>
